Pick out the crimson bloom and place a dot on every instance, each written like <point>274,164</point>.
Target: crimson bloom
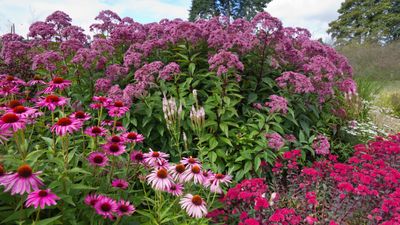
<point>23,181</point>
<point>41,198</point>
<point>51,102</point>
<point>66,125</point>
<point>117,109</point>
<point>13,121</point>
<point>57,83</point>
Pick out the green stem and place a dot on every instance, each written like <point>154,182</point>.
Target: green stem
<point>37,216</point>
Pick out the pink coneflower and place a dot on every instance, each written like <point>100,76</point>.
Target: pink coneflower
<point>14,103</point>
<point>190,162</point>
<point>194,205</point>
<point>125,208</point>
<point>80,115</point>
<point>103,101</point>
<point>96,131</point>
<point>119,126</point>
<point>160,179</point>
<point>36,80</point>
<point>194,173</point>
<point>2,171</point>
<point>41,198</point>
<point>13,121</point>
<point>176,189</point>
<point>97,159</point>
<point>133,137</point>
<point>117,109</point>
<point>6,90</point>
<point>137,156</point>
<point>153,157</point>
<point>66,125</point>
<point>8,79</point>
<point>114,149</point>
<point>106,207</point>
<point>177,171</point>
<point>57,83</point>
<point>216,180</point>
<point>120,183</point>
<point>51,102</point>
<point>92,199</point>
<point>116,139</point>
<point>23,111</point>
<point>107,123</point>
<point>4,135</point>
<point>161,164</point>
<point>24,180</point>
<point>207,175</point>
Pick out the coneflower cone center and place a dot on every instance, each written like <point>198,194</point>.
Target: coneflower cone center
<point>24,171</point>
<point>19,109</point>
<point>196,169</point>
<point>180,168</point>
<point>197,200</point>
<point>64,122</point>
<point>42,193</point>
<point>98,159</point>
<point>114,148</point>
<point>80,115</point>
<point>58,80</point>
<point>162,173</point>
<point>106,207</point>
<point>10,118</point>
<point>14,103</point>
<point>52,98</point>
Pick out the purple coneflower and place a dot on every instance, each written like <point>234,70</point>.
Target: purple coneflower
<point>57,83</point>
<point>106,207</point>
<point>137,157</point>
<point>125,208</point>
<point>96,131</point>
<point>97,159</point>
<point>41,198</point>
<point>120,183</point>
<point>24,180</point>
<point>114,149</point>
<point>176,189</point>
<point>133,137</point>
<point>216,180</point>
<point>153,157</point>
<point>51,102</point>
<point>116,139</point>
<point>13,121</point>
<point>92,199</point>
<point>66,125</point>
<point>160,179</point>
<point>190,162</point>
<point>117,109</point>
<point>80,115</point>
<point>36,80</point>
<point>207,175</point>
<point>177,171</point>
<point>194,205</point>
<point>23,111</point>
<point>193,173</point>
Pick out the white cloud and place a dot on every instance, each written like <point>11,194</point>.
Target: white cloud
<point>314,15</point>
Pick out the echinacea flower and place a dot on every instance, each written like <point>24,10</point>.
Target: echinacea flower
<point>66,125</point>
<point>14,103</point>
<point>216,180</point>
<point>106,207</point>
<point>176,189</point>
<point>116,139</point>
<point>194,205</point>
<point>13,121</point>
<point>92,199</point>
<point>120,183</point>
<point>23,111</point>
<point>119,126</point>
<point>57,83</point>
<point>80,115</point>
<point>153,157</point>
<point>24,180</point>
<point>125,208</point>
<point>137,156</point>
<point>160,179</point>
<point>36,80</point>
<point>207,175</point>
<point>177,171</point>
<point>4,135</point>
<point>95,131</point>
<point>1,170</point>
<point>51,102</point>
<point>190,162</point>
<point>114,149</point>
<point>117,109</point>
<point>133,137</point>
<point>41,198</point>
<point>97,159</point>
<point>193,173</point>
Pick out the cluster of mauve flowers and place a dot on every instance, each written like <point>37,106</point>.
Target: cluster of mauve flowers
<point>365,189</point>
<point>315,67</point>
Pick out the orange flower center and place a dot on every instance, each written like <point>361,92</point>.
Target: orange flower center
<point>10,78</point>
<point>132,135</point>
<point>24,171</point>
<point>197,200</point>
<point>155,154</point>
<point>191,160</point>
<point>118,104</point>
<point>162,173</point>
<point>10,118</point>
<point>219,176</point>
<point>37,77</point>
<point>195,169</point>
<point>180,168</point>
<point>52,98</point>
<point>1,170</point>
<point>64,122</point>
<point>58,80</point>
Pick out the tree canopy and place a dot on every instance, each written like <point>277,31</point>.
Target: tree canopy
<point>231,8</point>
<point>367,21</point>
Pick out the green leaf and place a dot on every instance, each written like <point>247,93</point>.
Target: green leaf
<point>192,68</point>
<point>212,156</point>
<point>48,220</point>
<point>224,128</point>
<point>82,187</point>
<point>257,163</point>
<point>79,170</point>
<point>213,143</point>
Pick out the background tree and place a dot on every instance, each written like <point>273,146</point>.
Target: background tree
<point>231,8</point>
<point>367,21</point>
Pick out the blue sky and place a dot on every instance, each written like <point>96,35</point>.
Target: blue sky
<point>312,14</point>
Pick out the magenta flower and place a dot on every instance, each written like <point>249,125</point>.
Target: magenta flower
<point>35,81</point>
<point>160,179</point>
<point>51,102</point>
<point>321,145</point>
<point>106,207</point>
<point>13,121</point>
<point>57,83</point>
<point>114,149</point>
<point>100,101</point>
<point>41,198</point>
<point>98,159</point>
<point>66,125</point>
<point>153,158</point>
<point>92,199</point>
<point>133,137</point>
<point>194,173</point>
<point>194,205</point>
<point>177,171</point>
<point>120,183</point>
<point>23,111</point>
<point>24,180</point>
<point>137,157</point>
<point>125,208</point>
<point>216,181</point>
<point>116,139</point>
<point>176,189</point>
<point>117,109</point>
<point>190,162</point>
<point>80,115</point>
<point>96,131</point>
